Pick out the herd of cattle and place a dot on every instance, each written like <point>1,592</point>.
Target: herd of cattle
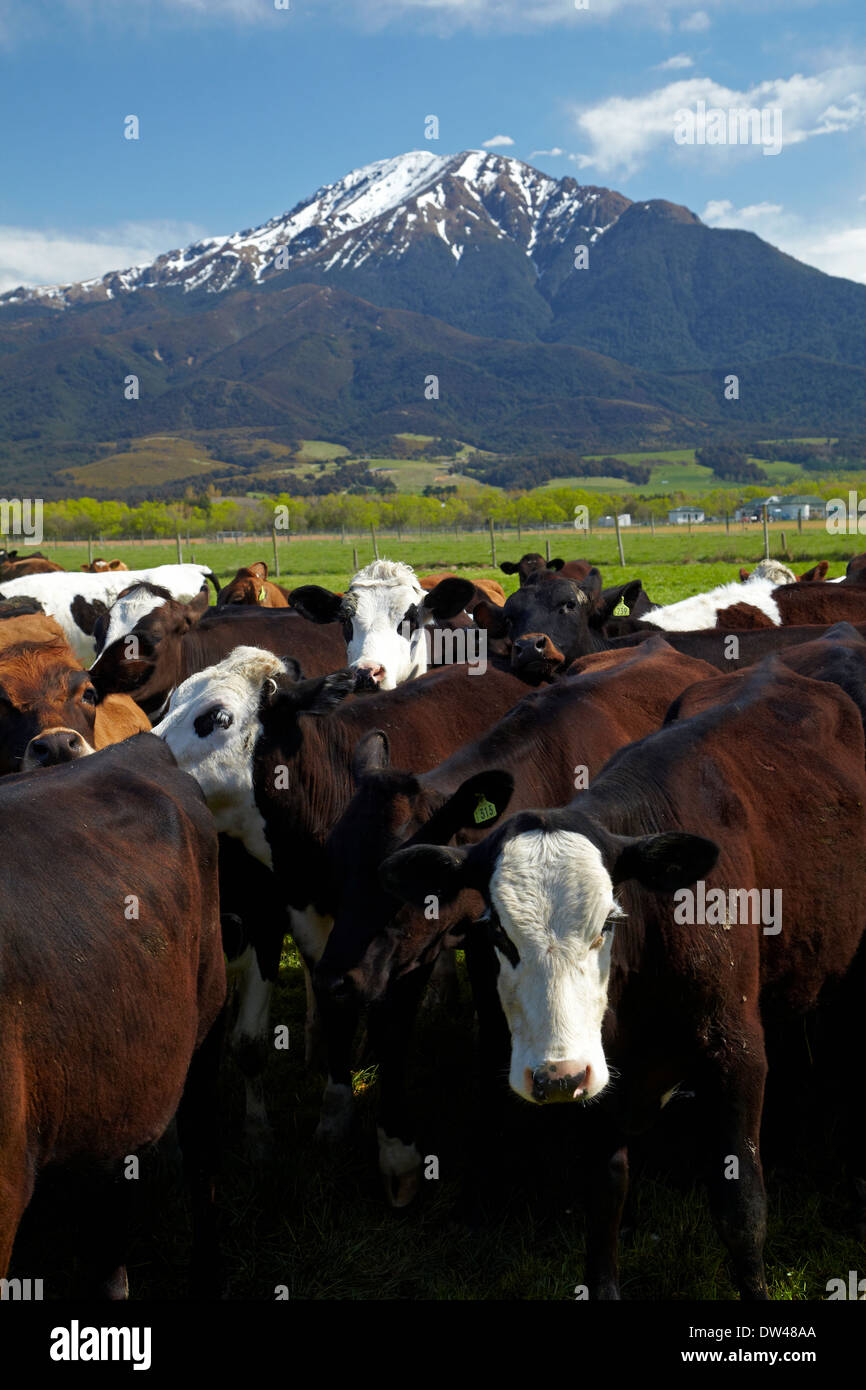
<point>308,771</point>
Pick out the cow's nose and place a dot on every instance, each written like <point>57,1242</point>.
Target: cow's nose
<point>534,648</point>
<point>336,984</point>
<point>371,671</point>
<point>60,746</point>
<point>559,1081</point>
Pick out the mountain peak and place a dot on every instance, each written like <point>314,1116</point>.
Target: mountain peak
<point>380,211</point>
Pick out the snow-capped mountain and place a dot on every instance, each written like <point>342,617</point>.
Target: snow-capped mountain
<point>375,214</point>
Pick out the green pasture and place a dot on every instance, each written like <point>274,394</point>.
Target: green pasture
<point>672,564</point>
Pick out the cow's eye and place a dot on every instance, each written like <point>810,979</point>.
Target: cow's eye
<point>217,718</point>
<point>567,606</point>
<point>88,695</point>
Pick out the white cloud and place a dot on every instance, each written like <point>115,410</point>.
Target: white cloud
<point>497,142</point>
<point>722,213</point>
<point>696,23</point>
<point>679,60</point>
<point>621,132</point>
<point>836,248</point>
<point>556,153</point>
<point>36,257</point>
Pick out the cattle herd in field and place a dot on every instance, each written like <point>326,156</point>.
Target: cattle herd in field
<point>596,815</point>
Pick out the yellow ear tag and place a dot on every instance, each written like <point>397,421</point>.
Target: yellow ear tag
<point>263,596</point>
<point>621,611</point>
<point>485,810</point>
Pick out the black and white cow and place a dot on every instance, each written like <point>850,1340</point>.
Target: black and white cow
<point>77,600</point>
<point>384,613</point>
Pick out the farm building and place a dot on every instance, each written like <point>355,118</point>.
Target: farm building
<point>682,516</point>
<point>624,520</point>
<point>789,508</point>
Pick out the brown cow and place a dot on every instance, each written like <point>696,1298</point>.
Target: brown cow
<point>251,586</point>
<point>109,1019</point>
<point>49,708</point>
<point>533,563</point>
<point>99,566</point>
<point>30,564</point>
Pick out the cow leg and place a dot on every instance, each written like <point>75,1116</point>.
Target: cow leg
<point>488,1138</point>
<point>732,1100</point>
<point>606,1189</point>
<point>389,1027</point>
<point>198,1133</point>
<point>314,1057</point>
<point>339,1024</point>
<point>249,1044</point>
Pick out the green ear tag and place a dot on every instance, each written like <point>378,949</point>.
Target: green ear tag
<point>621,611</point>
<point>485,810</point>
<point>263,596</point>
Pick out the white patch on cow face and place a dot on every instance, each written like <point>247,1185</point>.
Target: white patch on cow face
<point>554,899</point>
<point>212,727</point>
<point>701,610</point>
<point>126,612</point>
<point>383,593</point>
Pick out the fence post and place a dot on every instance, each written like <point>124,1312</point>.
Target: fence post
<point>800,519</point>
<point>653,525</point>
<point>547,549</point>
<point>784,541</point>
<point>727,523</point>
<point>492,542</point>
<point>766,532</point>
<point>90,550</point>
<point>375,546</point>
<point>355,564</point>
<point>276,552</point>
<point>179,548</point>
<point>618,536</point>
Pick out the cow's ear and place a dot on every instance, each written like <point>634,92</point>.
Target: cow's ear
<point>197,607</point>
<point>449,598</point>
<point>556,564</point>
<point>323,693</point>
<point>478,803</point>
<point>258,569</point>
<point>286,686</point>
<point>489,615</point>
<point>509,567</point>
<point>623,594</point>
<point>591,585</point>
<point>744,574</point>
<point>372,754</point>
<point>424,872</point>
<point>663,863</point>
<point>316,603</point>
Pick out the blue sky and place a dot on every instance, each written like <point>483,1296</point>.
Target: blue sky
<point>245,109</point>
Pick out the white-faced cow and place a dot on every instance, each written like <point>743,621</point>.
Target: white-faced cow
<point>384,613</point>
<point>617,991</point>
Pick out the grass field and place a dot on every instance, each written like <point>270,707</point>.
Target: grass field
<point>316,1222</point>
<point>666,563</point>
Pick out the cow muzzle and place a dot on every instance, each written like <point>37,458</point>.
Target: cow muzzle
<point>535,654</point>
<point>54,746</point>
<point>558,1081</point>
